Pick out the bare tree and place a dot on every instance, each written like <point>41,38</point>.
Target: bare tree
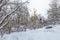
<point>12,14</point>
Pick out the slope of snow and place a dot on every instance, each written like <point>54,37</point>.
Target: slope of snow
<point>38,34</point>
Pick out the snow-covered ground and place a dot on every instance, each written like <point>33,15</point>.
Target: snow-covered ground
<point>38,34</point>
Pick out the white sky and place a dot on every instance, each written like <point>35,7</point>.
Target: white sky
<point>41,6</point>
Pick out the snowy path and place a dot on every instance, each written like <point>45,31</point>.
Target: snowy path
<point>38,34</point>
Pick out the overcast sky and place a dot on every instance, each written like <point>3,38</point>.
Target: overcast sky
<point>41,5</point>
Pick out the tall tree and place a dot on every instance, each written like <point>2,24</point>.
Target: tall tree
<point>53,11</point>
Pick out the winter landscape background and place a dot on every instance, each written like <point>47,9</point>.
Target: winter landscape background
<point>29,19</point>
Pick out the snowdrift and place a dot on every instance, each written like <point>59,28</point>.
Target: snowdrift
<point>38,34</point>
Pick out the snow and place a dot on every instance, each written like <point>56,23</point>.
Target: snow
<point>38,34</point>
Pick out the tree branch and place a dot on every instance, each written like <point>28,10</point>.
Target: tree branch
<point>3,4</point>
<point>3,25</point>
<point>7,16</point>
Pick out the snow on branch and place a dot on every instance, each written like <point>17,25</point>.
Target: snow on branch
<point>3,25</point>
<point>7,16</point>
